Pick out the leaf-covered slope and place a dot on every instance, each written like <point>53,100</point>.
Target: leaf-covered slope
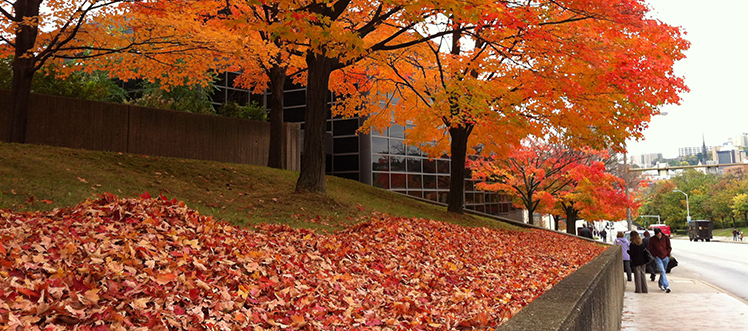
<point>155,263</point>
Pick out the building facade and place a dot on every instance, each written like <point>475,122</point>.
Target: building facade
<point>380,158</point>
<point>646,160</point>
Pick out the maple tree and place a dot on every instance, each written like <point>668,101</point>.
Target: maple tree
<point>592,193</point>
<point>587,72</point>
<point>265,62</point>
<point>151,262</point>
<point>333,35</point>
<point>535,173</point>
<point>97,30</point>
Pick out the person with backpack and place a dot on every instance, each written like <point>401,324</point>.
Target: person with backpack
<point>659,246</point>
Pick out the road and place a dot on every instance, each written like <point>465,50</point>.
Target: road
<point>723,264</point>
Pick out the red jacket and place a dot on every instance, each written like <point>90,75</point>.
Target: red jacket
<point>660,247</point>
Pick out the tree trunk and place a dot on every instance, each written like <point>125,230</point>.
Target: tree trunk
<point>312,175</point>
<point>23,65</point>
<point>555,222</point>
<point>20,96</point>
<point>571,220</point>
<point>458,149</point>
<point>277,146</point>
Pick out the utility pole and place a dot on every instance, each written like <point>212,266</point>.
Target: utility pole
<point>626,184</point>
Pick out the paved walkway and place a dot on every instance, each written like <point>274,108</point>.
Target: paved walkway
<point>692,305</point>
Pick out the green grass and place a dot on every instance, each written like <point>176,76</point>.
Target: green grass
<point>35,177</point>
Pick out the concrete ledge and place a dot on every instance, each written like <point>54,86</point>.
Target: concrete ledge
<point>591,298</point>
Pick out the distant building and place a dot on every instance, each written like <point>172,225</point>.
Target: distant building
<point>739,140</point>
<point>738,171</point>
<point>646,160</point>
<point>729,154</point>
<point>688,151</point>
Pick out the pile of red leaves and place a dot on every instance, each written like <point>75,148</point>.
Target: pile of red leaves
<point>155,264</point>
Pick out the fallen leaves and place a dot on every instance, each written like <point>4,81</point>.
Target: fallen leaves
<point>116,264</point>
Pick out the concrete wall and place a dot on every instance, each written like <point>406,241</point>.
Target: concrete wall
<point>591,298</point>
<point>85,124</point>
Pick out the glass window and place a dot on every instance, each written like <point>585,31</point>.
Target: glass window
<point>414,181</point>
<point>220,80</point>
<point>381,162</point>
<point>417,194</point>
<point>469,198</point>
<point>345,145</point>
<point>429,166</point>
<point>293,115</point>
<point>345,162</point>
<point>238,96</point>
<point>232,78</point>
<point>397,147</point>
<point>381,180</point>
<point>469,186</point>
<point>443,197</point>
<point>443,182</point>
<point>296,98</point>
<point>346,127</point>
<point>397,131</point>
<point>479,197</point>
<point>397,163</point>
<point>442,166</point>
<point>429,181</point>
<point>430,195</point>
<point>380,145</point>
<point>397,180</point>
<point>414,165</point>
<point>379,132</point>
<point>258,98</point>
<point>413,150</point>
<point>219,96</point>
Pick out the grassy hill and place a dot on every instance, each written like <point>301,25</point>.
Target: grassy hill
<point>34,177</point>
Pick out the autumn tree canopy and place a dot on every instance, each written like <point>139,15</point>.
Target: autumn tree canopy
<point>149,43</point>
<point>584,72</point>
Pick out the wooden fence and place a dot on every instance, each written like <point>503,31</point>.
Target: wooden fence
<point>85,124</point>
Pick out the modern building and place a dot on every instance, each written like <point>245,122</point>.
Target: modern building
<point>381,159</point>
<point>729,154</point>
<point>740,140</point>
<point>645,160</point>
<point>688,151</point>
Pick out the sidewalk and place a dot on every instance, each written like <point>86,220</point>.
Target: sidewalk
<point>729,239</point>
<point>692,305</point>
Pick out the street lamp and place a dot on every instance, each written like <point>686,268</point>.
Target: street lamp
<point>688,211</point>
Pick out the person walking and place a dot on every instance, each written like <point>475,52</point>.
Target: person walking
<point>734,235</point>
<point>585,232</point>
<point>604,234</point>
<point>638,262</point>
<point>659,246</point>
<point>651,265</point>
<point>621,240</point>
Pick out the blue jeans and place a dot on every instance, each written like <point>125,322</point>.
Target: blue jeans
<point>662,267</point>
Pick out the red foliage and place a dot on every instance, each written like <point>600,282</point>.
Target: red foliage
<point>155,263</point>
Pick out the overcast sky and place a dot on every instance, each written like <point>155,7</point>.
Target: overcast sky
<point>716,71</point>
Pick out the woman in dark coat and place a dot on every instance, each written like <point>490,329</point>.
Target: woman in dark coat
<point>638,262</point>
